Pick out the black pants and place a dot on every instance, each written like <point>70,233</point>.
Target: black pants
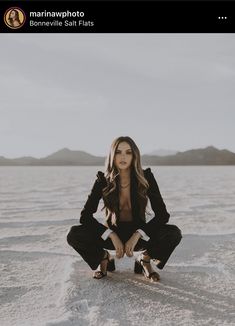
<point>162,242</point>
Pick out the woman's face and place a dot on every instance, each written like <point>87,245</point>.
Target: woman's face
<point>123,156</point>
<point>12,14</point>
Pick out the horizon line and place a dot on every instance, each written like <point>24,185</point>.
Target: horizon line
<point>98,155</point>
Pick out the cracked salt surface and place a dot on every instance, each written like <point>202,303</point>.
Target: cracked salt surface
<point>45,282</point>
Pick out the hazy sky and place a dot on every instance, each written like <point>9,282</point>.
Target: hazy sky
<point>171,91</point>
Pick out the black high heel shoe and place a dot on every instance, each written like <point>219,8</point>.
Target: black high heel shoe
<point>110,266</point>
<point>139,269</point>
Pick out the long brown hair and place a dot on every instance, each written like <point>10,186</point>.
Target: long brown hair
<point>111,192</point>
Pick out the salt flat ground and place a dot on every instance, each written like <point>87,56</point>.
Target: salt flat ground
<point>43,281</point>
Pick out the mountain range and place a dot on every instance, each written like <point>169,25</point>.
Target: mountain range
<point>66,157</point>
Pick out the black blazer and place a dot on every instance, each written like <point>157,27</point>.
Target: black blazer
<point>153,193</point>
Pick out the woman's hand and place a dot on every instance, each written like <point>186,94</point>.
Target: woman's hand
<point>118,245</point>
<point>131,243</point>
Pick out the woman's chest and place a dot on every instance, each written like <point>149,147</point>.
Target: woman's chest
<point>125,199</point>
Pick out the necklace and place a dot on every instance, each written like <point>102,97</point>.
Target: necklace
<point>124,186</point>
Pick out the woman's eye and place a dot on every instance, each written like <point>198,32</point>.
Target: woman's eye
<point>118,152</point>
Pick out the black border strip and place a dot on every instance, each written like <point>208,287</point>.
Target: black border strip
<point>127,17</point>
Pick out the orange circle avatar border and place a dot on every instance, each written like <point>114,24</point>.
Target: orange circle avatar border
<point>21,18</point>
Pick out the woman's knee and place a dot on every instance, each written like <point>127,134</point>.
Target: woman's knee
<point>73,234</point>
<point>79,235</point>
<point>176,233</point>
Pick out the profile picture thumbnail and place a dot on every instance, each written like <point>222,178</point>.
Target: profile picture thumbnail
<point>14,17</point>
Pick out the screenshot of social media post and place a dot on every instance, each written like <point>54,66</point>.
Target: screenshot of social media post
<point>117,169</point>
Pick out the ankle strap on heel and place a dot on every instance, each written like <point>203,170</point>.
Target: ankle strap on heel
<point>106,257</point>
<point>145,261</point>
<point>141,260</point>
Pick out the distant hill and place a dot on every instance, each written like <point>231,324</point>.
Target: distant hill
<point>67,157</point>
<point>64,156</point>
<point>26,160</point>
<point>202,156</point>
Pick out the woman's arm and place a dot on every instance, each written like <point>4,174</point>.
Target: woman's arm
<point>161,216</point>
<point>91,206</point>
